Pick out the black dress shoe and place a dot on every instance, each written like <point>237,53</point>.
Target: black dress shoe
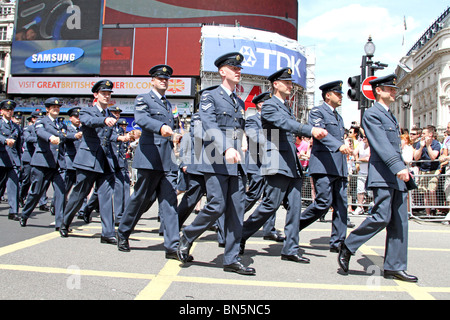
<point>183,249</point>
<point>122,244</point>
<point>295,258</point>
<point>344,257</point>
<point>13,216</point>
<point>23,222</point>
<point>80,215</point>
<point>334,249</point>
<point>274,237</point>
<point>87,217</point>
<point>64,232</point>
<point>173,255</point>
<point>239,268</point>
<point>399,275</point>
<point>44,207</point>
<point>110,240</point>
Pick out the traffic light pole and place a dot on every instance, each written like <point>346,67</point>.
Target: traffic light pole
<point>363,101</point>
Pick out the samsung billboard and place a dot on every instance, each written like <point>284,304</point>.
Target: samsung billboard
<point>57,37</point>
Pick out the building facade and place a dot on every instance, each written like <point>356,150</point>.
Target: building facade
<point>7,12</point>
<point>61,48</point>
<point>424,76</point>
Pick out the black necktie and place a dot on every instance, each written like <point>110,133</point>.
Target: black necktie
<point>164,101</point>
<point>392,115</point>
<point>104,112</point>
<point>233,98</point>
<point>336,114</point>
<point>56,123</point>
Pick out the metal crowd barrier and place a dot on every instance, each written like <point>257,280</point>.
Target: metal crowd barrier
<point>418,199</point>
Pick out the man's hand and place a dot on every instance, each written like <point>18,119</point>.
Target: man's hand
<point>78,135</point>
<point>110,121</point>
<point>403,175</point>
<point>125,138</point>
<point>166,131</point>
<point>54,140</point>
<point>319,133</point>
<point>345,149</point>
<point>10,142</point>
<point>232,156</point>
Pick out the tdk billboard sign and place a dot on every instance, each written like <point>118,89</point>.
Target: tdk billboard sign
<point>260,58</point>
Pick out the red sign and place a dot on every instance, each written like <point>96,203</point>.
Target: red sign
<point>366,88</point>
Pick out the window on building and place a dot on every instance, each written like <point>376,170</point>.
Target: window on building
<point>3,33</point>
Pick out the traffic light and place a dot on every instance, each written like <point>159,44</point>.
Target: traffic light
<point>354,93</point>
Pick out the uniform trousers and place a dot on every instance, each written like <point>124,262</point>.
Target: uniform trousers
<point>253,194</point>
<point>69,179</point>
<point>195,191</point>
<point>277,188</point>
<point>225,196</point>
<point>331,191</point>
<point>390,212</point>
<point>152,184</point>
<point>83,186</point>
<point>121,192</point>
<point>9,177</point>
<point>40,181</point>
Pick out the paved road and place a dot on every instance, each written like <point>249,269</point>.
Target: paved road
<point>36,263</point>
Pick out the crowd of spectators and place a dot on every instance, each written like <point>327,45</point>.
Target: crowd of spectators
<point>423,151</point>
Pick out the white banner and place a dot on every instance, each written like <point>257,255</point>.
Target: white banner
<point>82,86</point>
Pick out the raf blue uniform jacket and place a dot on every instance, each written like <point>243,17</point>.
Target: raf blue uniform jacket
<point>280,128</point>
<point>154,151</point>
<point>383,133</point>
<point>47,154</point>
<point>29,143</point>
<point>253,130</point>
<point>325,155</point>
<point>192,154</point>
<point>72,146</point>
<point>223,124</point>
<point>119,148</point>
<point>95,152</point>
<point>10,157</point>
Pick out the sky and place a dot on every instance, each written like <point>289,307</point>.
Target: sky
<point>337,31</point>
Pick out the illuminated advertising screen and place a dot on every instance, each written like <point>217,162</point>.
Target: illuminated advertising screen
<point>57,37</point>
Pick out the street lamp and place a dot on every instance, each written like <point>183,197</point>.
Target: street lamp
<point>406,99</point>
<point>369,48</point>
<point>368,68</point>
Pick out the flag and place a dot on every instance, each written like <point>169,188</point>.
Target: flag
<point>175,111</point>
<point>404,22</point>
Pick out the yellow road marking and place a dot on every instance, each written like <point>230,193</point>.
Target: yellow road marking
<point>95,273</point>
<point>28,243</point>
<point>412,289</point>
<point>159,285</point>
<point>161,282</point>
